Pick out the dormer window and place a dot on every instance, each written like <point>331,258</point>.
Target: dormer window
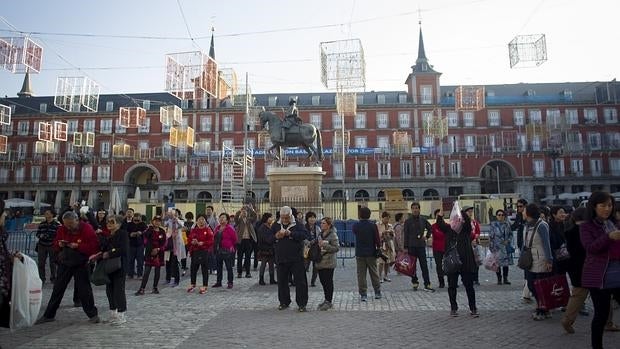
<point>316,100</point>
<point>380,99</point>
<point>490,93</point>
<point>273,101</point>
<point>530,93</point>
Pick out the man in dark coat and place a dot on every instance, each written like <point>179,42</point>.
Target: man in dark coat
<point>289,244</point>
<point>415,232</point>
<point>367,242</point>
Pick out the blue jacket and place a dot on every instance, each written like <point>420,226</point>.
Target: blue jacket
<point>367,239</point>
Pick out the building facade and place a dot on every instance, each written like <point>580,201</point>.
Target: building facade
<point>528,138</point>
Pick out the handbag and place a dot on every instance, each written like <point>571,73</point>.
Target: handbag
<point>451,260</point>
<point>98,276</point>
<point>491,261</point>
<point>526,260</point>
<point>314,252</point>
<point>111,265</point>
<point>561,254</point>
<point>552,292</point>
<point>612,275</point>
<point>405,263</point>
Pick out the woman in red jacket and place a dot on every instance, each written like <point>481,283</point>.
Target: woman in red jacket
<point>154,243</point>
<point>439,247</point>
<point>200,242</point>
<point>225,242</point>
<point>600,237</point>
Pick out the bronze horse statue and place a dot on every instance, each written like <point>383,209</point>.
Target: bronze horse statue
<point>303,135</point>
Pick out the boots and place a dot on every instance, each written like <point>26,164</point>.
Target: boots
<point>272,280</point>
<point>442,283</point>
<point>499,278</point>
<point>261,281</point>
<point>505,270</point>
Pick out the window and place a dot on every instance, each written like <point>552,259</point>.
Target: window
<point>228,143</point>
<point>89,125</point>
<point>184,104</point>
<point>227,123</point>
<point>204,172</point>
<point>146,104</point>
<point>385,170</point>
<point>383,142</point>
<point>402,98</point>
<point>165,128</point>
<point>382,120</point>
<point>337,168</point>
<point>316,100</point>
<point>611,115</point>
<point>272,101</point>
<point>22,150</point>
<point>359,98</point>
<point>105,125</point>
<point>406,169</point>
<point>147,126</point>
<point>426,92</point>
<point>572,117</point>
<point>536,143</point>
<point>205,123</point>
<point>380,99</point>
<point>595,167</point>
<point>590,116</point>
<point>22,128</point>
<point>454,167</point>
<point>360,120</point>
<point>553,117</point>
<point>429,168</point>
<point>70,148</point>
<point>558,167</point>
<point>453,143</point>
<point>361,170</point>
<point>109,106</point>
<point>612,140</point>
<point>105,149</point>
<point>87,173</point>
<point>35,174</point>
<point>180,172</point>
<point>468,119</point>
<point>614,166</point>
<point>535,117</point>
<point>43,108</point>
<point>428,141</point>
<point>69,173</point>
<point>118,128</point>
<point>336,121</point>
<point>315,119</point>
<point>594,140</point>
<point>518,116</point>
<point>470,143</point>
<point>453,119</point>
<point>166,149</point>
<point>4,175</point>
<point>20,173</point>
<point>7,130</point>
<point>494,120</point>
<point>539,168</point>
<point>403,119</point>
<point>103,173</point>
<point>576,167</point>
<point>361,142</point>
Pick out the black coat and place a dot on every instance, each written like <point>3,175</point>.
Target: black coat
<point>413,232</point>
<point>290,249</point>
<point>367,239</point>
<point>117,245</point>
<point>463,242</point>
<point>574,265</point>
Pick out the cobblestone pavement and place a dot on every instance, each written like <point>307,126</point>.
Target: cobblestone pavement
<point>247,317</point>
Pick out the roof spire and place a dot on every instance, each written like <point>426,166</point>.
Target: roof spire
<point>421,64</point>
<point>212,48</point>
<point>26,90</point>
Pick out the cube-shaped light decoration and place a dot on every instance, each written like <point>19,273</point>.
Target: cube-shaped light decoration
<point>60,131</point>
<point>338,138</point>
<point>189,137</point>
<point>343,64</point>
<point>76,94</point>
<point>5,115</point>
<point>90,139</point>
<point>228,83</point>
<point>402,142</point>
<point>435,125</point>
<point>132,117</point>
<point>20,54</point>
<point>121,150</point>
<point>44,147</point>
<point>174,136</point>
<point>182,137</point>
<point>170,115</point>
<point>77,139</point>
<point>4,144</point>
<point>191,75</point>
<point>346,103</point>
<point>527,51</point>
<point>46,132</point>
<point>469,98</point>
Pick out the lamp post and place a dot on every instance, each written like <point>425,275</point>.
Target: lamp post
<point>554,154</point>
<point>80,160</point>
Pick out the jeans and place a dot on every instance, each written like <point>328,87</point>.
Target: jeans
<point>420,254</point>
<point>244,254</point>
<point>136,256</point>
<point>115,291</point>
<point>228,259</point>
<point>81,287</point>
<point>147,272</point>
<point>367,264</point>
<point>326,276</point>
<point>468,282</point>
<point>301,283</point>
<point>43,254</point>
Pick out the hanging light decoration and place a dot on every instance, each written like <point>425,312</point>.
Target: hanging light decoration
<point>132,117</point>
<point>4,144</point>
<point>60,131</point>
<point>5,115</point>
<point>170,115</point>
<point>45,131</point>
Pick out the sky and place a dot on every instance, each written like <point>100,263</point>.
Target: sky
<point>277,42</point>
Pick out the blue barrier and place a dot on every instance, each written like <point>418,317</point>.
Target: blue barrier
<point>24,241</point>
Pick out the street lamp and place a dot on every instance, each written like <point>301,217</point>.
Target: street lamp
<point>80,160</point>
<point>554,154</point>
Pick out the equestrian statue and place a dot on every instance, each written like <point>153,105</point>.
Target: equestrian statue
<point>291,132</point>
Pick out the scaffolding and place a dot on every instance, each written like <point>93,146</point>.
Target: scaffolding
<point>191,75</point>
<point>237,173</point>
<point>527,51</point>
<point>343,65</point>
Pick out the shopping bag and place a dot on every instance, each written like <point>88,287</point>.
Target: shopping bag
<point>491,261</point>
<point>405,263</point>
<point>552,292</point>
<point>26,293</point>
<point>456,217</point>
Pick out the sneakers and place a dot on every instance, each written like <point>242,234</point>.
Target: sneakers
<point>526,300</point>
<point>536,316</point>
<point>415,285</point>
<point>112,317</point>
<point>94,320</point>
<point>203,290</point>
<point>282,306</point>
<point>239,276</point>
<point>248,275</point>
<point>454,313</point>
<point>230,285</point>
<point>261,282</point>
<point>191,288</point>
<point>387,279</point>
<point>43,320</point>
<point>428,288</point>
<point>325,306</point>
<point>140,292</point>
<point>363,298</point>
<point>155,290</point>
<point>119,320</point>
<point>567,326</point>
<point>474,313</point>
<point>378,295</point>
<point>302,309</point>
<point>506,282</point>
<point>273,282</point>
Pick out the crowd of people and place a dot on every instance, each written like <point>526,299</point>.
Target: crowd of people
<point>584,244</point>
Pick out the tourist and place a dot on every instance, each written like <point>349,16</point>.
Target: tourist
<point>519,227</point>
<point>415,232</point>
<point>367,243</point>
<point>386,234</point>
<point>398,231</point>
<point>201,245</point>
<point>313,229</point>
<point>439,247</point>
<point>136,229</point>
<point>328,241</point>
<point>46,233</point>
<point>475,240</point>
<point>265,248</point>
<point>246,238</point>
<point>224,246</point>
<point>500,243</point>
<point>537,239</point>
<point>154,243</point>
<point>175,248</point>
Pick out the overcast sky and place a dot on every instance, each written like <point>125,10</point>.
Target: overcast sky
<point>277,42</point>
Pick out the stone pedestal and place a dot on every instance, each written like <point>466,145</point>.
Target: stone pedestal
<point>298,187</point>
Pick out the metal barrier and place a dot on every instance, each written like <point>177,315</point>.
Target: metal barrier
<point>347,245</point>
<point>24,241</point>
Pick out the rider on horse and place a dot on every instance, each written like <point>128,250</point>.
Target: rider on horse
<point>291,119</point>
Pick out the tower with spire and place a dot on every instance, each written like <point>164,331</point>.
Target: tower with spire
<point>423,81</point>
<point>26,90</point>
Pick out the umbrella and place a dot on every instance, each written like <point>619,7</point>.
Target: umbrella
<point>137,195</point>
<point>115,201</point>
<point>91,198</point>
<point>58,201</point>
<point>17,202</point>
<point>37,200</point>
<point>73,198</point>
<point>585,194</point>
